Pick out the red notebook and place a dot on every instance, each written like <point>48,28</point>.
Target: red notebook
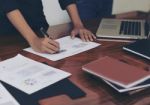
<point>117,72</point>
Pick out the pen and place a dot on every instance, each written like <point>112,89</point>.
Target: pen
<point>44,32</point>
<point>46,35</point>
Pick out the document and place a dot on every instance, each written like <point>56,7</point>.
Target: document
<point>28,75</point>
<point>68,47</point>
<point>123,6</point>
<point>6,98</point>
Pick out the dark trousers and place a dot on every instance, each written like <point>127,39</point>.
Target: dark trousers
<point>89,9</point>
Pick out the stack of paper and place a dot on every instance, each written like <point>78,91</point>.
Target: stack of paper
<point>28,75</point>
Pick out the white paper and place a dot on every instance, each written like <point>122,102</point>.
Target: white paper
<point>6,98</point>
<point>28,75</point>
<point>68,46</point>
<point>123,6</point>
<point>121,89</point>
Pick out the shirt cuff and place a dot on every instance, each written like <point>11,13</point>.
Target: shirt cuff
<point>8,5</point>
<point>65,3</point>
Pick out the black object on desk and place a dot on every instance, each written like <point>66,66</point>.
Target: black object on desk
<point>62,87</point>
<point>140,47</point>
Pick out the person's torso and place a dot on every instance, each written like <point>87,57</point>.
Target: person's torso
<point>97,8</point>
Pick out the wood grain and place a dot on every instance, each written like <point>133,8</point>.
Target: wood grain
<point>98,93</point>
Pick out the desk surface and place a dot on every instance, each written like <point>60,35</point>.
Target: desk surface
<point>98,93</point>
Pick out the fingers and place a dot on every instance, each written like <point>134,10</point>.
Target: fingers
<point>53,43</point>
<point>50,46</point>
<point>87,35</point>
<point>73,34</point>
<point>82,36</point>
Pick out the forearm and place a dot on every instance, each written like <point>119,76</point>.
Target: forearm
<point>79,28</point>
<point>74,15</point>
<point>21,25</point>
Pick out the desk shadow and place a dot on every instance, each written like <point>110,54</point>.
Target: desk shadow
<point>62,87</point>
<point>111,95</point>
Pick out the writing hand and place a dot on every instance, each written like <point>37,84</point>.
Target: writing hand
<point>45,45</point>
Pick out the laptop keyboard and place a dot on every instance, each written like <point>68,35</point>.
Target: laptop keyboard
<point>130,28</point>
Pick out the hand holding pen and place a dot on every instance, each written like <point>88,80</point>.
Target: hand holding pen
<point>49,45</point>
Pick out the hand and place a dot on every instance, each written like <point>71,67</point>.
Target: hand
<point>84,34</point>
<point>45,45</point>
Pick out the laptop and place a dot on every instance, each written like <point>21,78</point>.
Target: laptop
<point>123,28</point>
<point>140,47</point>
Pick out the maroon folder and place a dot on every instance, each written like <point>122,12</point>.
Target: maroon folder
<point>117,72</point>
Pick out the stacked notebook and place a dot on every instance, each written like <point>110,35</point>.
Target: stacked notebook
<point>119,75</point>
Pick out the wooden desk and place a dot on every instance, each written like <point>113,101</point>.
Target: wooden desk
<point>98,93</point>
